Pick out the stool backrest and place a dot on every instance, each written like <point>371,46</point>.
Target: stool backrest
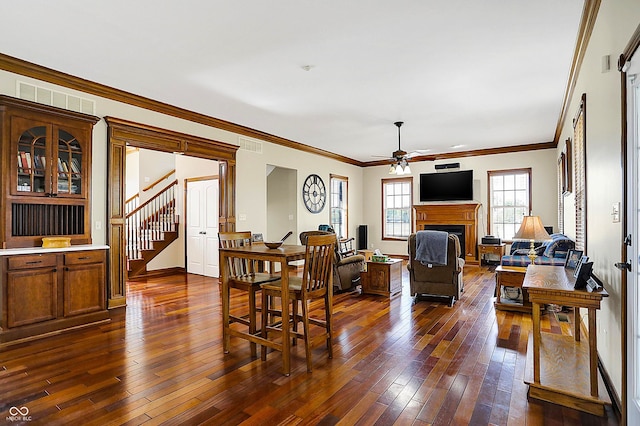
<point>237,267</point>
<point>318,265</point>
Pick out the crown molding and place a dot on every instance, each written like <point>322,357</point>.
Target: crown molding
<point>28,69</point>
<point>472,153</point>
<point>587,22</point>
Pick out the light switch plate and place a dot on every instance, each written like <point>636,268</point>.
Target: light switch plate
<point>615,212</point>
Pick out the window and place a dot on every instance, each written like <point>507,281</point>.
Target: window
<point>338,205</point>
<point>580,173</point>
<point>397,196</point>
<point>509,201</point>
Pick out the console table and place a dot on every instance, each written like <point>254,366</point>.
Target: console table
<point>563,369</point>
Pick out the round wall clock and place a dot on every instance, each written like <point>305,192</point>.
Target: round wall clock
<point>314,193</point>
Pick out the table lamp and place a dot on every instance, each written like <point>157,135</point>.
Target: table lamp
<point>531,229</point>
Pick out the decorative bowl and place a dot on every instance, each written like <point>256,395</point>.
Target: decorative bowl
<point>273,244</point>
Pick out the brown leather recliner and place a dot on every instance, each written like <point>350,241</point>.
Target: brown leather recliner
<point>437,280</point>
<point>346,272</point>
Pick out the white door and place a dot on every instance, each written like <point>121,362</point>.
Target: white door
<point>633,252</point>
<point>202,228</point>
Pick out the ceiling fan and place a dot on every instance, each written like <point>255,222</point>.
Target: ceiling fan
<point>400,165</point>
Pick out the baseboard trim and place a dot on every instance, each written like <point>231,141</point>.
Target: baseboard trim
<point>616,403</point>
<point>158,273</point>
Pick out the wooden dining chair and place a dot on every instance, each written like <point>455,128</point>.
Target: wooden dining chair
<point>316,282</point>
<point>244,275</point>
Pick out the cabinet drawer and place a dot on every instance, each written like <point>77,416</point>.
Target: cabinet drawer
<point>32,261</point>
<point>82,257</point>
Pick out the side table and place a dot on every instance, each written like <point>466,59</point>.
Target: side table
<point>383,278</point>
<point>511,276</point>
<point>497,249</point>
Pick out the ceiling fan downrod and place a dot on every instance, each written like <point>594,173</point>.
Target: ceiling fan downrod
<point>398,125</point>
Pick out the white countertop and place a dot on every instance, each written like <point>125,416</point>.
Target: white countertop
<point>39,250</point>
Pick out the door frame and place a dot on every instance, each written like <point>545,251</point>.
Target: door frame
<point>627,314</point>
<point>121,133</point>
<point>186,206</point>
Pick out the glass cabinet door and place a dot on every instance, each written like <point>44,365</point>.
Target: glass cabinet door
<point>32,161</point>
<point>68,170</point>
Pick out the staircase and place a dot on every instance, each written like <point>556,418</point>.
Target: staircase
<point>150,228</point>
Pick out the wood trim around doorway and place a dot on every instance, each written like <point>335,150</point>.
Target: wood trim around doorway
<point>122,133</point>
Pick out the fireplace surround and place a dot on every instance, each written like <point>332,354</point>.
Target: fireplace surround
<point>455,218</point>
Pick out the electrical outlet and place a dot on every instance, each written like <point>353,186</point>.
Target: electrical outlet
<point>615,212</point>
<point>242,216</point>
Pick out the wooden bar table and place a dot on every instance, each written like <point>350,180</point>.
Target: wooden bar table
<point>562,369</point>
<point>283,255</point>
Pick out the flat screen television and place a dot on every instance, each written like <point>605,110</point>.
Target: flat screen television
<point>447,186</point>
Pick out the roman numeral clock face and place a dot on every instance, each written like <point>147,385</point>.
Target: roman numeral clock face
<point>314,193</point>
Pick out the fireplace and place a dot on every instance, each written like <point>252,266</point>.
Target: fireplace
<point>451,229</point>
<point>457,218</point>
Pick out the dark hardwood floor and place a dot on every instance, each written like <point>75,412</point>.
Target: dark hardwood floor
<point>161,362</point>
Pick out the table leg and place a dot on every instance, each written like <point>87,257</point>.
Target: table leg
<point>226,338</point>
<point>593,353</point>
<point>536,343</point>
<point>284,273</point>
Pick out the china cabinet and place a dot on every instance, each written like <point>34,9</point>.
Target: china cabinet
<point>45,184</point>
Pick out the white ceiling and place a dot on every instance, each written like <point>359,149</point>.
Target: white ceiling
<point>481,74</point>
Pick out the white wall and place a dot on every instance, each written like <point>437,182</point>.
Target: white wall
<point>252,187</point>
<point>543,190</point>
<point>615,24</point>
<point>132,173</point>
<point>152,165</point>
<point>282,202</point>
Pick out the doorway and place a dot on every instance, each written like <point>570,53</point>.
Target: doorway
<point>633,252</point>
<point>202,198</point>
<point>122,133</point>
<point>282,204</point>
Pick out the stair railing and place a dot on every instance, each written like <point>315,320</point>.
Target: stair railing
<point>150,220</point>
<point>132,203</point>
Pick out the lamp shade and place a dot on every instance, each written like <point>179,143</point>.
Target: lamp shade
<point>531,229</point>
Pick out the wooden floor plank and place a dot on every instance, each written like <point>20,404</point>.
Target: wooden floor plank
<point>396,361</point>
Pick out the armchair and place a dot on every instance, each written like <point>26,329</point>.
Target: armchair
<point>346,272</point>
<point>438,280</point>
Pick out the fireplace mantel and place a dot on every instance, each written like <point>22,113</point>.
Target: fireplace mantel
<point>465,214</point>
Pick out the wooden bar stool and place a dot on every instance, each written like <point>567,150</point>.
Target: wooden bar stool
<point>244,276</point>
<point>316,282</point>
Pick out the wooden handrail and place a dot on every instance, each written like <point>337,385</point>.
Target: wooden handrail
<point>157,181</point>
<point>133,197</point>
<point>175,182</point>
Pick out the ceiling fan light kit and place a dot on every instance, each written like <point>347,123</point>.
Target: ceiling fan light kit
<point>401,164</point>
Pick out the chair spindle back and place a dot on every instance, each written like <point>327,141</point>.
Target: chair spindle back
<point>318,265</point>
